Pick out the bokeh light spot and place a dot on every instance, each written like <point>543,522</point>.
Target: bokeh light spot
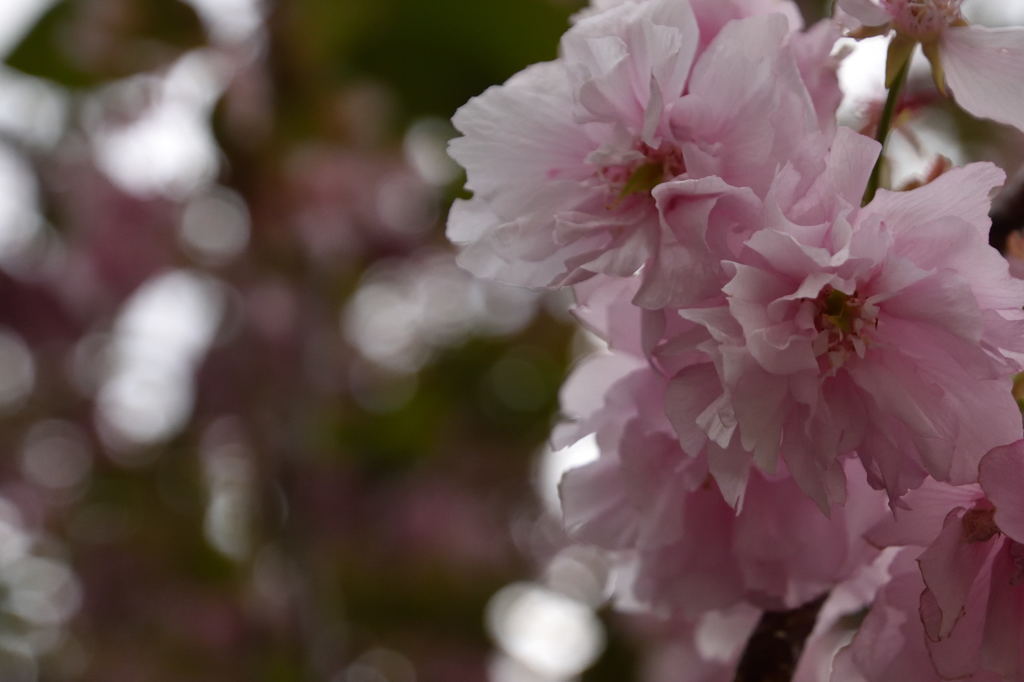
<point>548,632</point>
<point>17,371</point>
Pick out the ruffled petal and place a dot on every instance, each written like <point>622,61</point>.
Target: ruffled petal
<point>746,107</point>
<point>527,123</point>
<point>963,193</point>
<point>703,221</point>
<point>631,59</point>
<point>700,572</point>
<point>519,252</point>
<point>730,467</point>
<point>689,395</point>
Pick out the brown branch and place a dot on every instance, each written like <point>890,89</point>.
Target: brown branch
<point>774,649</point>
<point>1007,215</point>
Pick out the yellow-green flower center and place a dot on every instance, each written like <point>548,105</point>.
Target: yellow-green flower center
<point>923,20</point>
<point>844,323</point>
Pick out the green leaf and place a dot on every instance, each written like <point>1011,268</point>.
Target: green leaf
<point>434,54</point>
<point>83,43</point>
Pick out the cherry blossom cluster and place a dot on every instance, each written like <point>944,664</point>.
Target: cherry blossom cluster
<point>806,391</point>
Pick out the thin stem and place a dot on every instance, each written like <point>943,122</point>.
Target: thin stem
<point>884,126</point>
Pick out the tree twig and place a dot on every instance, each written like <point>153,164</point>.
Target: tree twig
<point>774,649</point>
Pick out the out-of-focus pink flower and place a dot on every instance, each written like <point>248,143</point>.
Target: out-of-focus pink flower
<point>968,591</point>
<point>781,552</point>
<point>688,549</point>
<point>712,15</point>
<point>973,607</point>
<point>890,643</point>
<point>565,157</point>
<point>812,46</point>
<point>837,618</point>
<point>708,648</point>
<point>982,66</point>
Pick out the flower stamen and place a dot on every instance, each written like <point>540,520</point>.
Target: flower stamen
<point>979,524</point>
<point>640,176</point>
<point>844,322</point>
<point>923,20</point>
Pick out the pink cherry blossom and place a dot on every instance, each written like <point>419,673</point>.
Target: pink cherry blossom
<point>564,158</point>
<point>707,221</point>
<point>778,553</point>
<point>812,47</point>
<point>712,15</point>
<point>981,65</point>
<point>890,643</point>
<point>891,331</point>
<point>963,610</point>
<point>685,548</point>
<point>838,616</point>
<point>973,608</point>
<point>781,359</point>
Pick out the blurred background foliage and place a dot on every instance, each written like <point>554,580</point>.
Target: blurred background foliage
<point>258,425</point>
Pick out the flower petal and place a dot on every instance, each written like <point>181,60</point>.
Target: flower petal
<point>919,519</point>
<point>1002,477</point>
<point>866,12</point>
<point>950,566</point>
<point>528,124</point>
<point>962,193</point>
<point>689,395</point>
<point>1003,646</point>
<point>631,57</point>
<point>595,507</point>
<point>730,467</point>
<point>983,70</point>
